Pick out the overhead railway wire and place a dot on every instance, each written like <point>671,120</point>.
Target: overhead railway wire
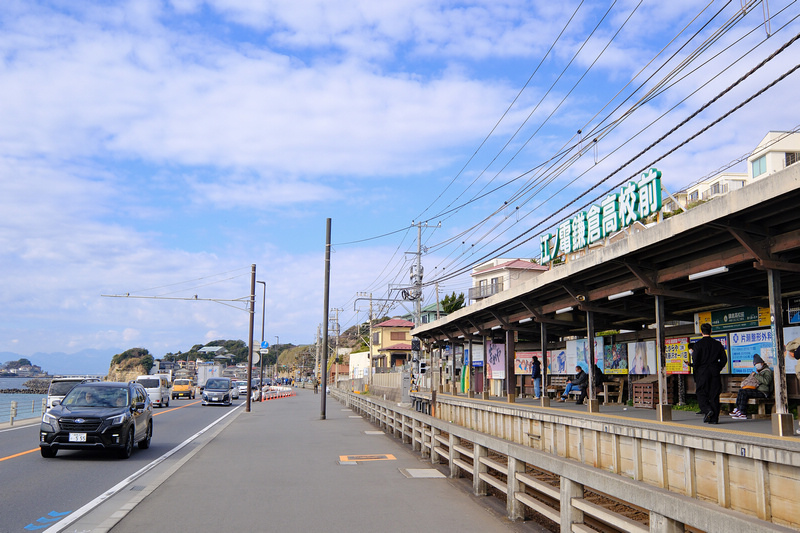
<point>575,157</point>
<point>560,155</point>
<point>541,225</point>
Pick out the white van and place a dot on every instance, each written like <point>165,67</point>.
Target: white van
<point>61,385</point>
<point>157,387</point>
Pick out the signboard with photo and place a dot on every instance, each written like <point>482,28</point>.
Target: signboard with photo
<point>642,357</point>
<point>746,344</point>
<point>523,362</point>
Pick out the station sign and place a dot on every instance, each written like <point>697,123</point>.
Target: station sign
<point>635,201</point>
<point>735,318</point>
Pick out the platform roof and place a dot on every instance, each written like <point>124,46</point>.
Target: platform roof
<point>749,231</point>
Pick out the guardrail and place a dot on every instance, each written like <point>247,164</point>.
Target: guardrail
<point>575,496</point>
<point>13,410</point>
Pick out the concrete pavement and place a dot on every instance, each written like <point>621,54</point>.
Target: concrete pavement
<point>280,467</point>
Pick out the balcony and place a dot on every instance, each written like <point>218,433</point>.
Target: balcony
<point>484,291</point>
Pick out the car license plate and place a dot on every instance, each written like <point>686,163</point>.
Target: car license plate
<point>77,437</point>
<point>215,398</point>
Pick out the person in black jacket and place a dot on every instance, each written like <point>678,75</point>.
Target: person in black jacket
<point>536,374</point>
<point>580,381</point>
<point>709,360</point>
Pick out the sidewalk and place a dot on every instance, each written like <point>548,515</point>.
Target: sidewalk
<point>280,468</point>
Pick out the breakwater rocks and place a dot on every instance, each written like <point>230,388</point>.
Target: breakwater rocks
<point>32,386</point>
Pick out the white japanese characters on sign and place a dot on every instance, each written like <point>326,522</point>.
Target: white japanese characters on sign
<point>634,202</point>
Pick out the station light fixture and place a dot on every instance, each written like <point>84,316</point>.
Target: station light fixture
<point>706,273</point>
<point>620,295</point>
<point>563,310</point>
<point>525,320</point>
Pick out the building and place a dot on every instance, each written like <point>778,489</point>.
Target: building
<point>714,186</point>
<point>501,274</point>
<point>429,313</point>
<point>391,343</point>
<point>776,151</point>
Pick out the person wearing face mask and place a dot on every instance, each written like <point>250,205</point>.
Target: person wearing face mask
<point>762,378</point>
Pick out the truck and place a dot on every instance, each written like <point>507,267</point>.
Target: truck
<point>207,370</point>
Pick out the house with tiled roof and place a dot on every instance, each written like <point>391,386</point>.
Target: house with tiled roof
<point>501,274</point>
<point>391,343</point>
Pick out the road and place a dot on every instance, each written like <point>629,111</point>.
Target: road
<point>36,492</point>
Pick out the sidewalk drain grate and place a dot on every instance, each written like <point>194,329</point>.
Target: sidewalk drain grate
<point>420,473</point>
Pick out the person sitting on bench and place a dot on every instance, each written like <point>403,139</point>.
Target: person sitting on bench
<point>579,382</point>
<point>756,385</point>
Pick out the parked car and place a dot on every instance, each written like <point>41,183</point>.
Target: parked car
<point>99,415</point>
<point>182,388</point>
<point>157,387</point>
<point>61,385</point>
<point>218,391</point>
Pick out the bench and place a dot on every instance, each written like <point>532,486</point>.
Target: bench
<point>612,390</point>
<point>731,390</point>
<point>558,384</point>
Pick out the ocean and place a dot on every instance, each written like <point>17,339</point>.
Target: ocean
<point>28,405</point>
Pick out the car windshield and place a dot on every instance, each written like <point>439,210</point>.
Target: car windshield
<point>61,388</point>
<point>83,396</point>
<point>182,382</point>
<point>217,384</point>
<point>148,383</point>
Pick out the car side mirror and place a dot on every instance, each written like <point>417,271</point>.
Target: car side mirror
<point>56,402</point>
<point>138,405</point>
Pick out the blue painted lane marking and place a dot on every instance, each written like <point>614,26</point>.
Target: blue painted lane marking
<point>45,521</point>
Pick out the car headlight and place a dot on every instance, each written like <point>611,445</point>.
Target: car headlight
<point>47,418</point>
<point>119,419</point>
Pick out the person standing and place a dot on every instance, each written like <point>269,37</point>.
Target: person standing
<point>709,359</point>
<point>536,374</point>
<point>792,349</point>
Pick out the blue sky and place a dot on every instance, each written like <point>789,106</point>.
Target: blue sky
<point>159,148</point>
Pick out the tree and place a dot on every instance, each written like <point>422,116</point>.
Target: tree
<point>452,303</point>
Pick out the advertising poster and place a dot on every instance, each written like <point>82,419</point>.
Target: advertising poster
<point>599,346</point>
<point>642,357</point>
<point>677,355</point>
<point>723,338</point>
<point>577,354</point>
<point>616,358</point>
<point>557,362</point>
<point>790,334</point>
<point>523,362</point>
<point>477,355</point>
<point>745,344</point>
<point>495,360</point>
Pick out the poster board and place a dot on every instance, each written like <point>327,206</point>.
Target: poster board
<point>615,357</point>
<point>495,360</point>
<point>642,358</point>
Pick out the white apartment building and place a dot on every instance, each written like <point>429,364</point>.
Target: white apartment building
<point>501,274</point>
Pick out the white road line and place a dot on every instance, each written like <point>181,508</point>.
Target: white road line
<point>58,526</point>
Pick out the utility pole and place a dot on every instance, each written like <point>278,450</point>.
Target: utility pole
<point>316,352</point>
<point>326,298</point>
<point>335,331</point>
<point>250,341</point>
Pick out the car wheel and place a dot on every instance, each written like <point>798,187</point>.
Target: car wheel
<point>145,443</point>
<point>48,453</point>
<point>127,450</point>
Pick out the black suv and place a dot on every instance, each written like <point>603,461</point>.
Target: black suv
<point>102,415</point>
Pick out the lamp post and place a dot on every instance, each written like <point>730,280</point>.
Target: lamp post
<point>277,342</point>
<point>263,317</point>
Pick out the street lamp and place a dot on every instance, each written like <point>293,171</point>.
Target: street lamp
<point>263,317</point>
<point>277,342</point>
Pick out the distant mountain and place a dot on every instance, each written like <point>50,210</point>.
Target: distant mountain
<point>83,362</point>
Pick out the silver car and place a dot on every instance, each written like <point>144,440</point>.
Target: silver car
<point>218,391</point>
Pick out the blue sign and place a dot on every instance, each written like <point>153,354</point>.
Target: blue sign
<point>264,345</point>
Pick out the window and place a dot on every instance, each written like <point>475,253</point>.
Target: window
<point>376,337</point>
<point>694,196</point>
<point>792,158</point>
<point>398,335</point>
<point>759,166</point>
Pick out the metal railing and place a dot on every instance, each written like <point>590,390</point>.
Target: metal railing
<point>14,410</point>
<point>484,291</point>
